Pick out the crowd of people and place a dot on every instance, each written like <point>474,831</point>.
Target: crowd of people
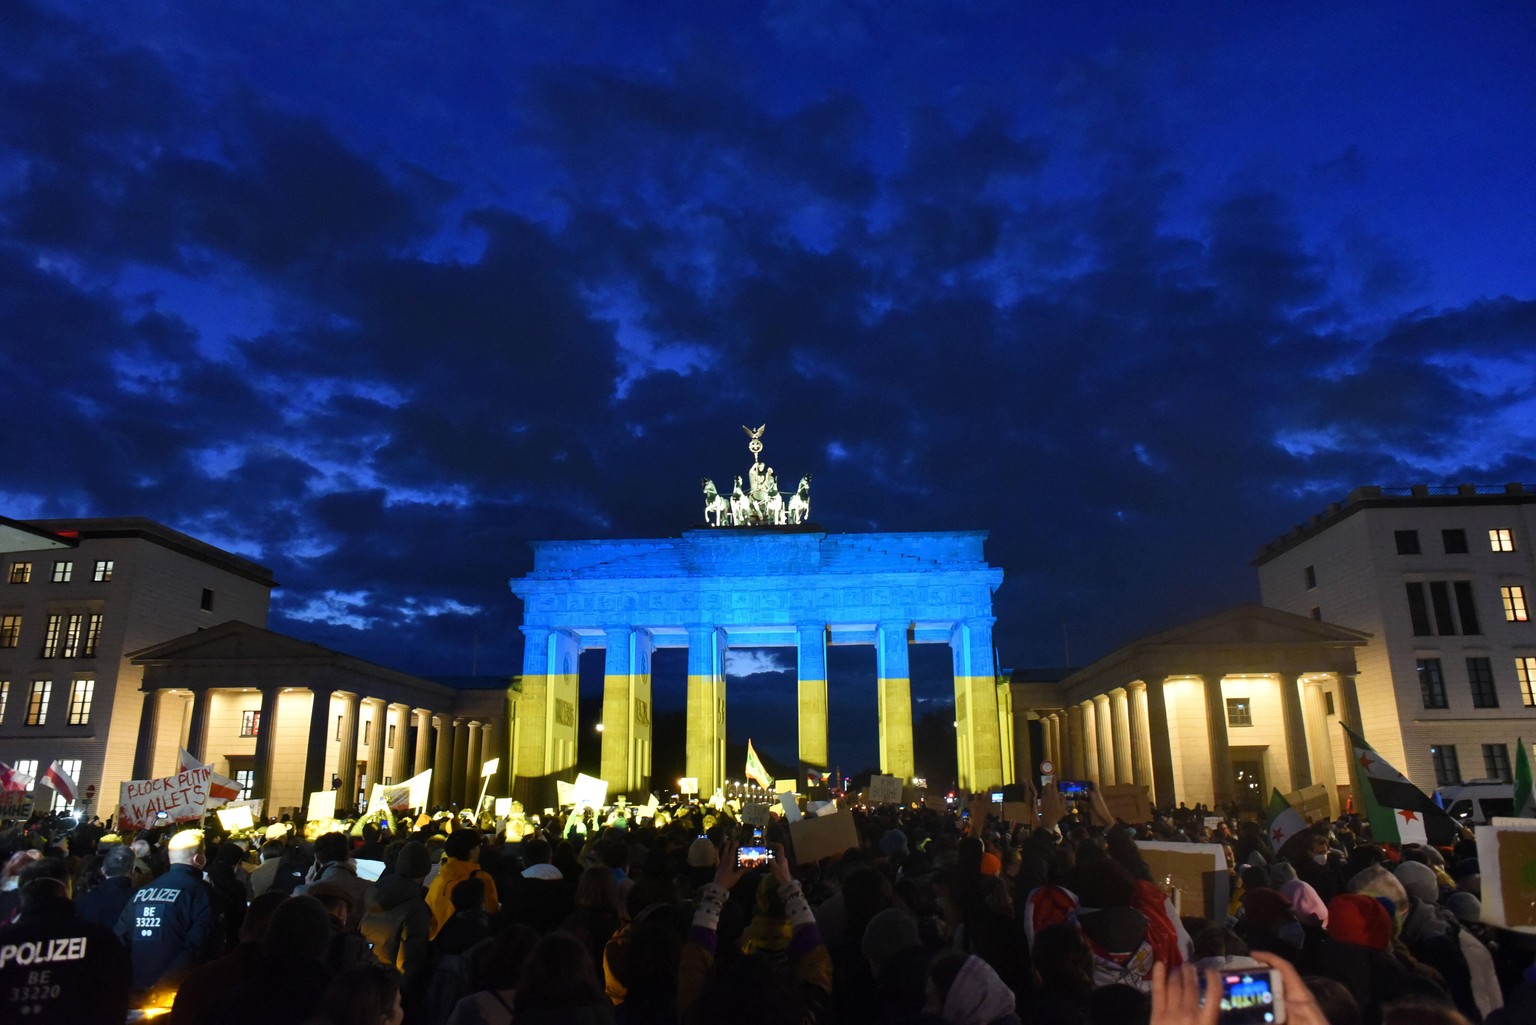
<point>935,916</point>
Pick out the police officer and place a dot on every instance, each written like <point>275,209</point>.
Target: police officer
<point>170,925</point>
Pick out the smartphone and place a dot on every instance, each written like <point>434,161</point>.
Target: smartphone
<point>757,832</point>
<point>1073,787</point>
<point>754,857</point>
<point>1253,996</point>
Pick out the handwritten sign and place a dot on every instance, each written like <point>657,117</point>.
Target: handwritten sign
<point>181,797</point>
<point>825,837</point>
<point>1196,873</point>
<point>15,804</point>
<point>884,789</point>
<point>1506,851</point>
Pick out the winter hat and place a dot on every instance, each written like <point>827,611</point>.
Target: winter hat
<point>1266,908</point>
<point>1359,919</point>
<point>702,854</point>
<point>1465,907</point>
<point>991,864</point>
<point>413,862</point>
<point>1419,880</point>
<point>894,843</point>
<point>1305,900</point>
<point>888,933</point>
<point>1377,881</point>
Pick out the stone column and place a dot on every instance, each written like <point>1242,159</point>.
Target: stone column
<point>347,755</point>
<point>626,703</point>
<point>811,662</point>
<point>317,774</point>
<point>423,760</point>
<point>1349,700</point>
<point>378,713</point>
<point>1120,717</point>
<point>546,741</point>
<point>197,729</point>
<point>894,700</point>
<point>1102,718</point>
<point>1141,751</point>
<point>1074,764</point>
<point>442,760</point>
<point>460,762</point>
<point>1091,768</point>
<point>1216,729</point>
<point>979,740</point>
<point>266,733</point>
<point>473,763</point>
<point>400,718</point>
<point>1163,793</point>
<point>149,733</point>
<point>1295,730</point>
<point>1054,743</point>
<point>706,708</point>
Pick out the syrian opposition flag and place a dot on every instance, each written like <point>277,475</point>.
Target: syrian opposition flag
<point>756,770</point>
<point>1399,812</point>
<point>1284,820</point>
<point>61,781</point>
<point>1525,800</point>
<point>220,788</point>
<point>13,781</point>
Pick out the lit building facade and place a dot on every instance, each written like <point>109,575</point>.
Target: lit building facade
<point>1440,578</point>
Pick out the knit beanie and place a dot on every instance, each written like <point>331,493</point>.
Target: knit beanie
<point>1359,919</point>
<point>893,843</point>
<point>702,854</point>
<point>413,862</point>
<point>889,932</point>
<point>1419,880</point>
<point>1377,881</point>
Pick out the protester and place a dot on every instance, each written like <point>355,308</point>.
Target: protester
<point>170,925</point>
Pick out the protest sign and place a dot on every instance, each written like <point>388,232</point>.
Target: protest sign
<point>791,805</point>
<point>825,837</point>
<point>322,805</point>
<point>754,813</point>
<point>786,786</point>
<point>490,767</point>
<point>236,818</point>
<point>884,789</point>
<point>503,807</point>
<point>1194,874</point>
<point>590,790</point>
<point>1314,802</point>
<point>1127,802</point>
<point>688,785</point>
<point>1018,812</point>
<point>565,793</point>
<point>180,797</point>
<point>15,804</point>
<point>1506,853</point>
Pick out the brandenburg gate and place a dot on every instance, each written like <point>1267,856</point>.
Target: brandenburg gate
<point>759,575</point>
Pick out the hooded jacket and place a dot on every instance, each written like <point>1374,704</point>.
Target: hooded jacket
<point>398,925</point>
<point>440,893</point>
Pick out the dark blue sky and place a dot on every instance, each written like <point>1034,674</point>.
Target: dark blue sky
<point>377,293</point>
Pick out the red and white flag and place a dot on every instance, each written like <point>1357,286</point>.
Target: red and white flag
<point>220,788</point>
<point>61,781</point>
<point>14,781</point>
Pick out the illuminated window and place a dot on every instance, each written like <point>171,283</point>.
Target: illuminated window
<point>1514,604</point>
<point>72,768</point>
<point>250,722</point>
<point>37,702</point>
<point>10,631</point>
<point>92,634</point>
<point>1498,540</point>
<point>1525,669</point>
<point>74,635</point>
<point>1454,541</point>
<point>1447,769</point>
<point>80,696</point>
<point>1496,762</point>
<point>27,767</point>
<point>21,572</point>
<point>5,697</point>
<point>245,779</point>
<point>1407,541</point>
<point>53,638</point>
<point>1431,683</point>
<point>1239,712</point>
<point>63,572</point>
<point>103,572</point>
<point>1480,676</point>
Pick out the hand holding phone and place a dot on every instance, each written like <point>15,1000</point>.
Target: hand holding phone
<point>748,858</point>
<point>1250,996</point>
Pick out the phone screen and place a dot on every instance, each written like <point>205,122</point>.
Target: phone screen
<point>1248,998</point>
<point>1072,787</point>
<point>753,857</point>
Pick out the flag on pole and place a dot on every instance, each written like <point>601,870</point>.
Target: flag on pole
<point>13,781</point>
<point>756,770</point>
<point>1525,801</point>
<point>1398,811</point>
<point>220,788</point>
<point>61,781</point>
<point>1284,820</point>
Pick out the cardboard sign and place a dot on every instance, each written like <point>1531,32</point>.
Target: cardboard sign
<point>884,789</point>
<point>322,805</point>
<point>791,805</point>
<point>236,818</point>
<point>786,786</point>
<point>825,837</point>
<point>1195,873</point>
<point>15,804</point>
<point>821,809</point>
<point>688,785</point>
<point>754,813</point>
<point>1506,852</point>
<point>1127,802</point>
<point>182,797</point>
<point>589,790</point>
<point>1313,802</point>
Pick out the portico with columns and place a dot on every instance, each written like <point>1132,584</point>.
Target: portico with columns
<point>710,590</point>
<point>288,718</point>
<point>1223,708</point>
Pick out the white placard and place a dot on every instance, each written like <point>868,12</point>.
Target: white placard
<point>1504,853</point>
<point>503,807</point>
<point>233,819</point>
<point>490,767</point>
<point>322,805</point>
<point>688,785</point>
<point>589,790</point>
<point>884,789</point>
<point>368,868</point>
<point>791,806</point>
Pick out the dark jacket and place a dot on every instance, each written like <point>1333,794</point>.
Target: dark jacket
<point>170,927</point>
<point>56,966</point>
<point>398,923</point>
<point>104,905</point>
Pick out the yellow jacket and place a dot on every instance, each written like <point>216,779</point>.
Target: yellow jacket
<point>440,893</point>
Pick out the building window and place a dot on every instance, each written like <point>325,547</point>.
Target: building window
<point>1310,574</point>
<point>5,697</point>
<point>390,737</point>
<point>1407,541</point>
<point>37,702</point>
<point>1447,770</point>
<point>21,572</point>
<point>1514,605</point>
<point>1431,683</point>
<point>1496,762</point>
<point>1239,712</point>
<point>1466,607</point>
<point>1525,669</point>
<point>1455,541</point>
<point>1480,676</point>
<point>103,573</point>
<point>339,719</point>
<point>92,635</point>
<point>26,766</point>
<point>1328,703</point>
<point>74,635</point>
<point>1317,613</point>
<point>80,696</point>
<point>1498,540</point>
<point>63,572</point>
<point>250,722</point>
<point>10,631</point>
<point>367,730</point>
<point>53,638</point>
<point>72,768</point>
<point>207,601</point>
<point>1440,601</point>
<point>245,779</point>
<point>1448,600</point>
<point>1418,610</point>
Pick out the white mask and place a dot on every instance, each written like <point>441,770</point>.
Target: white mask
<point>1321,859</point>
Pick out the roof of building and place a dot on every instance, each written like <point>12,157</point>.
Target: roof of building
<point>1375,497</point>
<point>74,530</point>
<point>16,536</point>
